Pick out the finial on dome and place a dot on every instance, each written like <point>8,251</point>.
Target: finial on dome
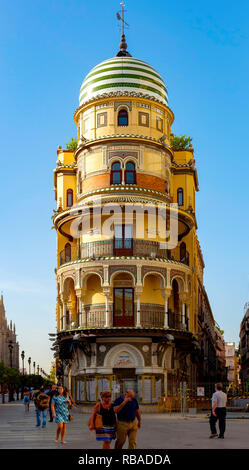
<point>123,45</point>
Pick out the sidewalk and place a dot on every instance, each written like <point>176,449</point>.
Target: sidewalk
<point>159,431</point>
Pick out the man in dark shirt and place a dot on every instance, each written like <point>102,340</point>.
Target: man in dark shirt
<point>127,410</point>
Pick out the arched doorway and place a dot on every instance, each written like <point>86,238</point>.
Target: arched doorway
<point>123,300</point>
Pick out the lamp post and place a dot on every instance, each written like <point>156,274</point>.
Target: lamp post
<point>34,367</point>
<point>29,362</point>
<point>10,346</point>
<point>23,356</point>
<point>38,369</point>
<point>10,387</point>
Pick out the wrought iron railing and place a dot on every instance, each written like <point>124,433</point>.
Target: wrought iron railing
<point>177,321</point>
<point>106,248</point>
<point>93,318</point>
<point>152,318</point>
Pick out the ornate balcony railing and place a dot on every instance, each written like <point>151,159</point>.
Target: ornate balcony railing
<point>150,317</point>
<point>100,248</point>
<point>93,317</point>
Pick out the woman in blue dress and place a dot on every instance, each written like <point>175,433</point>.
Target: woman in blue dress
<point>60,411</point>
<point>26,399</point>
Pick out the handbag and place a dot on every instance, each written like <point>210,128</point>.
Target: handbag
<point>98,422</point>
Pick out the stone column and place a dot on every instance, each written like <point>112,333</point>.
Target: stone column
<point>107,294</point>
<point>59,313</point>
<point>64,314</point>
<point>138,293</point>
<point>166,295</point>
<point>187,310</point>
<point>182,297</point>
<point>80,293</point>
<point>183,316</point>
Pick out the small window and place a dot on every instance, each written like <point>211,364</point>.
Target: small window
<point>69,198</point>
<point>180,197</point>
<point>101,119</point>
<point>183,251</point>
<point>123,118</point>
<point>85,125</point>
<point>159,124</point>
<point>143,119</point>
<point>116,173</point>
<point>67,252</point>
<point>130,173</point>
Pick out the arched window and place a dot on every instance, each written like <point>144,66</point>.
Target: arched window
<point>67,252</point>
<point>116,173</point>
<point>123,117</point>
<point>130,173</point>
<point>69,198</point>
<point>180,197</point>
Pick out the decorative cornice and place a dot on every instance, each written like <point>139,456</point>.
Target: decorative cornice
<point>112,94</point>
<point>123,136</point>
<point>61,165</point>
<point>122,258</point>
<point>121,188</point>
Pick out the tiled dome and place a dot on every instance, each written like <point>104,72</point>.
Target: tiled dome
<point>123,75</point>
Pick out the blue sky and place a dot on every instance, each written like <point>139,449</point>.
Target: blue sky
<point>46,49</point>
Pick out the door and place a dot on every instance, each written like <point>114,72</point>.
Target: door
<point>123,240</point>
<point>126,378</point>
<point>123,314</point>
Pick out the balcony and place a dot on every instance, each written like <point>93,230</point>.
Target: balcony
<point>149,318</point>
<point>101,248</point>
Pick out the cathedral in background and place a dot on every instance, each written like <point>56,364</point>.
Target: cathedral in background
<point>9,347</point>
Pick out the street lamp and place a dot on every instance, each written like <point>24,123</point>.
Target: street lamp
<point>29,362</point>
<point>38,369</point>
<point>10,387</point>
<point>34,367</point>
<point>10,346</point>
<point>23,356</point>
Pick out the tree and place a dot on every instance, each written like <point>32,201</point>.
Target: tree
<point>3,379</point>
<point>13,381</point>
<point>181,142</point>
<point>72,145</point>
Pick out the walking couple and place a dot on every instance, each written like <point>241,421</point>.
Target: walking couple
<point>126,425</point>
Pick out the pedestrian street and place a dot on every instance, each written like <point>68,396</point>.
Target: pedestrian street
<point>159,431</point>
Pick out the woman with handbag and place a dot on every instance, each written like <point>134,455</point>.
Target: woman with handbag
<point>72,403</point>
<point>60,411</point>
<point>103,420</point>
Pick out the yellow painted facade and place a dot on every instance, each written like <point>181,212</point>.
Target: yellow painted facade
<point>127,282</point>
<point>158,160</point>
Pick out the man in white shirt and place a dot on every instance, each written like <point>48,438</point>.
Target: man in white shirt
<point>218,412</point>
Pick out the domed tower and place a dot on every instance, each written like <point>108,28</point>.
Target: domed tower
<point>127,251</point>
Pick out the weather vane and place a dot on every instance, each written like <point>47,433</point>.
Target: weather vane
<point>122,19</point>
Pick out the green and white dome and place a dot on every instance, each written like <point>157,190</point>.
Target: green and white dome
<point>123,76</point>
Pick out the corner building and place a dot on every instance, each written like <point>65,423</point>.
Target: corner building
<point>127,302</point>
